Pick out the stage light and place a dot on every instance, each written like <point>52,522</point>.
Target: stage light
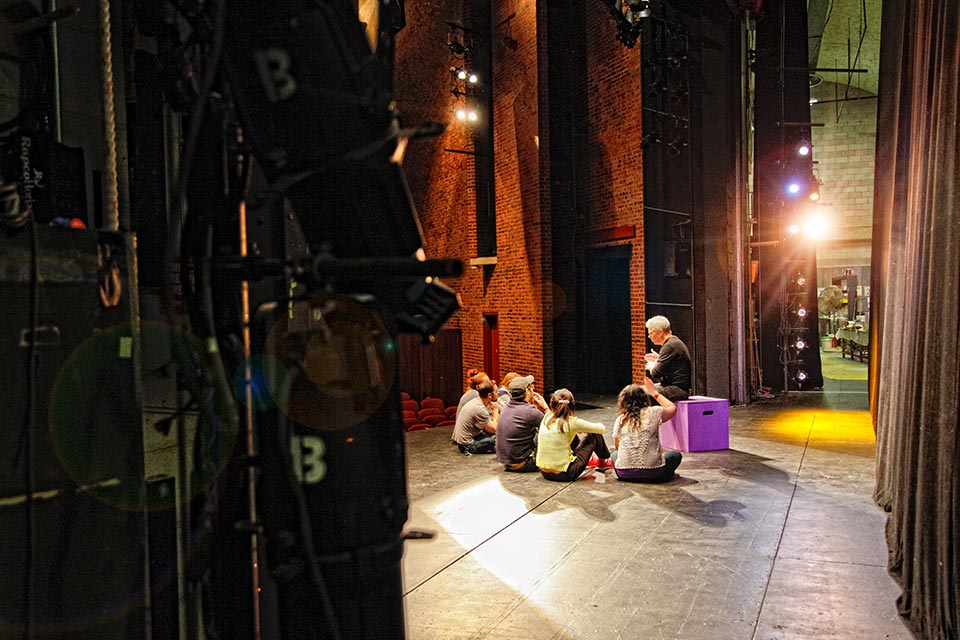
<point>800,344</point>
<point>649,138</point>
<point>793,188</point>
<point>472,116</point>
<point>801,376</point>
<point>801,312</point>
<point>814,194</point>
<point>815,226</point>
<point>804,148</point>
<point>472,79</point>
<point>794,228</point>
<point>461,114</point>
<point>461,74</point>
<point>801,281</point>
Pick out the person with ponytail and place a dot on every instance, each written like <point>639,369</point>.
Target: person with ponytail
<point>636,435</point>
<point>561,456</point>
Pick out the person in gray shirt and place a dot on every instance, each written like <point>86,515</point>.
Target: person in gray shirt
<point>476,424</point>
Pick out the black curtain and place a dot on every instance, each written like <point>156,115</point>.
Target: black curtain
<point>914,384</point>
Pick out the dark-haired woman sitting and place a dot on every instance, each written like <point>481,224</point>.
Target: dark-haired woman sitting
<point>636,435</point>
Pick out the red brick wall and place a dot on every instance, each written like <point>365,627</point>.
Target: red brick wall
<point>443,184</point>
<point>521,288</point>
<point>612,179</point>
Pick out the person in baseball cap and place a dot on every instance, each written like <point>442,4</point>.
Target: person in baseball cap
<point>516,437</point>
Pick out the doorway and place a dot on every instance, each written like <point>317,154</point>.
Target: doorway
<point>605,354</point>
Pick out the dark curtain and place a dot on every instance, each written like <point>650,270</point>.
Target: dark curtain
<point>915,377</point>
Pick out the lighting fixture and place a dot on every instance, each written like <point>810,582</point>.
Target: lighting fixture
<point>815,226</point>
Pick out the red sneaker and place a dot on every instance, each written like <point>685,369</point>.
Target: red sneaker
<point>594,461</point>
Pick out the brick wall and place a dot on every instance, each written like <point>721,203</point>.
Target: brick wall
<point>611,185</point>
<point>531,298</point>
<point>844,152</point>
<point>443,181</point>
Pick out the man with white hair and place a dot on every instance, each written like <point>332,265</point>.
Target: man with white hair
<point>671,368</point>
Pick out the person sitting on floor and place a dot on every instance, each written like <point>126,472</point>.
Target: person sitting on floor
<point>560,456</point>
<point>516,435</point>
<point>474,378</point>
<point>477,422</point>
<point>636,435</point>
<point>503,392</point>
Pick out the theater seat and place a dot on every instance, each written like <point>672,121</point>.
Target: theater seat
<point>432,403</point>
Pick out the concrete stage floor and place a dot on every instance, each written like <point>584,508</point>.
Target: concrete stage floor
<point>774,538</point>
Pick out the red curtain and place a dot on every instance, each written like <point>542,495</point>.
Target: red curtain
<point>915,371</point>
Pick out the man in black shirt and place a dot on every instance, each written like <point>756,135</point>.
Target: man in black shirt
<point>671,368</point>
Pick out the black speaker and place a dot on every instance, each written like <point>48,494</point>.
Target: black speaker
<point>71,445</point>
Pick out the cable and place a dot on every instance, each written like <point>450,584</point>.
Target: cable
<point>32,357</point>
<point>173,248</point>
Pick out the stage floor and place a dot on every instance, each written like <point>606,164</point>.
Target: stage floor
<point>776,537</point>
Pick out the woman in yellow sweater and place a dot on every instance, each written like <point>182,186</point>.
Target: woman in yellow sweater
<point>561,457</point>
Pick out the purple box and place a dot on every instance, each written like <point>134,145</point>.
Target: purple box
<point>700,424</point>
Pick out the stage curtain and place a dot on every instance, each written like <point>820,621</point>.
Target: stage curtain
<point>915,367</point>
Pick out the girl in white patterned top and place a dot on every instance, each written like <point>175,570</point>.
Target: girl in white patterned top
<point>636,435</point>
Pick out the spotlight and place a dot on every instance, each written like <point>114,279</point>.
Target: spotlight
<point>814,194</point>
<point>793,188</point>
<point>801,281</point>
<point>800,344</point>
<point>794,228</point>
<point>461,74</point>
<point>677,59</point>
<point>801,376</point>
<point>461,114</point>
<point>473,78</point>
<point>804,148</point>
<point>815,226</point>
<point>639,8</point>
<point>472,115</point>
<point>801,312</point>
<point>676,147</point>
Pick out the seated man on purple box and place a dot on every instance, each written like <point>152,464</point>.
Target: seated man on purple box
<point>670,368</point>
